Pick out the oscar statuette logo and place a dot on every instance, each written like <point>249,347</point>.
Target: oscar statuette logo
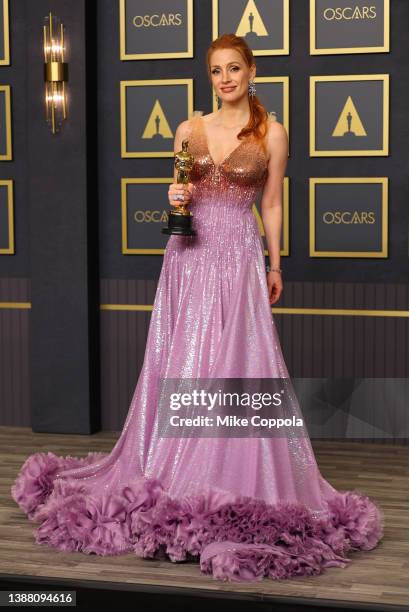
<point>180,219</point>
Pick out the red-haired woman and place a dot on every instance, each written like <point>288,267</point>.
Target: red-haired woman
<point>246,505</point>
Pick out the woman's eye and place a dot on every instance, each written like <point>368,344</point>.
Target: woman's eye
<point>235,68</point>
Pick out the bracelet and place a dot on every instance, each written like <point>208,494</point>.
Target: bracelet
<point>268,269</point>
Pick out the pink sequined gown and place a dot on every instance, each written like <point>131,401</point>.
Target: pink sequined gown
<point>244,507</point>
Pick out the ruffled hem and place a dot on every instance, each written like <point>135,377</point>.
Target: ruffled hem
<point>237,538</point>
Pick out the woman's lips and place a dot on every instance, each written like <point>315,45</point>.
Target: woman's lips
<point>227,89</point>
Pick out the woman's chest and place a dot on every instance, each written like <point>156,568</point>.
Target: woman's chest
<point>247,165</point>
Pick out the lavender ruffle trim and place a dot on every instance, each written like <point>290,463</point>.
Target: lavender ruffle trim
<point>236,538</point>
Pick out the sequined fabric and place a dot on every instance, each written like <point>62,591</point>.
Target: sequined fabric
<point>211,318</point>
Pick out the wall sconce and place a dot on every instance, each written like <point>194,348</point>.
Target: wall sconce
<point>55,72</point>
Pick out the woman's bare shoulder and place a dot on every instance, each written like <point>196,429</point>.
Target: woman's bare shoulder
<point>277,138</point>
<point>276,130</point>
<point>184,127</point>
<point>272,119</point>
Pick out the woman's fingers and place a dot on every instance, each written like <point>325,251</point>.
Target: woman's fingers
<point>275,295</point>
<point>179,193</point>
<point>181,188</point>
<point>274,291</point>
<point>175,194</point>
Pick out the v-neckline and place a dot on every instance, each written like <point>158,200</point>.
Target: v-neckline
<point>208,150</point>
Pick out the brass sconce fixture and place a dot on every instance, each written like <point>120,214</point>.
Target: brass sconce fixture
<point>55,72</point>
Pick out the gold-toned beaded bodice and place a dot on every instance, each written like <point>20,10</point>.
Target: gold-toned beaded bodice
<point>236,179</point>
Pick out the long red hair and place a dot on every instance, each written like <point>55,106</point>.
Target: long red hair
<point>258,120</point>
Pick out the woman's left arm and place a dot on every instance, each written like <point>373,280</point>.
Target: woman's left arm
<point>272,202</point>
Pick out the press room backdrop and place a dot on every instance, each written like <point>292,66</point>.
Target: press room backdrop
<point>77,291</point>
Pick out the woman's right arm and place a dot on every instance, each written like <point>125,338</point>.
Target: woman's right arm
<point>182,132</point>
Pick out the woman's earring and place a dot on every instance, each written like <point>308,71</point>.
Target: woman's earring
<point>217,100</point>
<point>252,89</point>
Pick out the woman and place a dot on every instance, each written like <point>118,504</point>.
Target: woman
<point>248,506</point>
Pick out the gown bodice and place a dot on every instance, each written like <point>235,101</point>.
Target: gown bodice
<point>233,182</point>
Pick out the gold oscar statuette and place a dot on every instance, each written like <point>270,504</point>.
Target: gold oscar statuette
<point>180,219</point>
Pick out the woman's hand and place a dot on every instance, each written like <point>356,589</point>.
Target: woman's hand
<point>275,286</point>
<point>179,189</point>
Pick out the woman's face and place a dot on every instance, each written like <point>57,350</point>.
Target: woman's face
<point>230,74</point>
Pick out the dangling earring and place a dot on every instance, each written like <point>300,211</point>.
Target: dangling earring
<point>252,89</point>
<point>217,100</point>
